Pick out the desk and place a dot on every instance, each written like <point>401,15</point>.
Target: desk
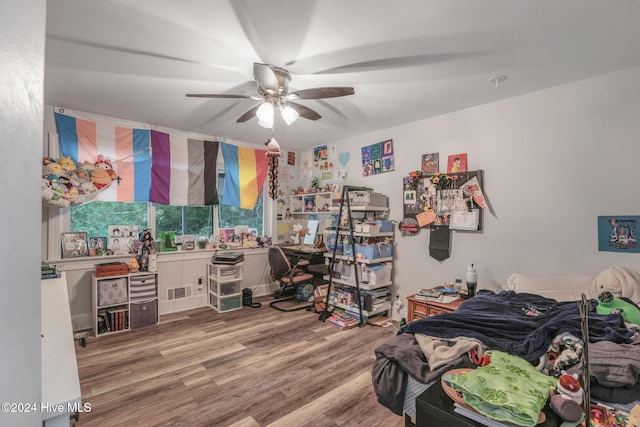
<point>315,257</point>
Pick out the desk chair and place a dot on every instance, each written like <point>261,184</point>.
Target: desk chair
<point>290,278</point>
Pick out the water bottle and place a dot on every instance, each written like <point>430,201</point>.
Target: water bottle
<point>458,283</point>
<point>472,280</point>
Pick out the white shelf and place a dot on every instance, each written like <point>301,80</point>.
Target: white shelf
<point>381,308</point>
<point>360,208</point>
<point>360,260</point>
<point>312,203</point>
<point>364,286</point>
<point>140,295</point>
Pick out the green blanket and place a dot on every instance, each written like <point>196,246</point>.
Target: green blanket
<point>508,389</point>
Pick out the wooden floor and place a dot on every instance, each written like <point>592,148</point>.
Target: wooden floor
<point>246,368</point>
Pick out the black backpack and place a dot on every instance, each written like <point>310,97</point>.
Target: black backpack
<point>247,298</point>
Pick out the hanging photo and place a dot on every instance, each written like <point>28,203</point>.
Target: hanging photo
<point>410,197</point>
<point>457,163</point>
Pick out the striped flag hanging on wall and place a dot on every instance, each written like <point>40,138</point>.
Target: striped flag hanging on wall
<point>183,172</point>
<point>84,136</point>
<point>245,172</point>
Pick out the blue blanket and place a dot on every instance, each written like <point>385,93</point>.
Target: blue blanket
<point>519,323</point>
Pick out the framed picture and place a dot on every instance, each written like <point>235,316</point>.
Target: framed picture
<point>97,245</point>
<point>464,219</point>
<point>122,238</point>
<point>75,245</point>
<point>430,163</point>
<point>457,163</point>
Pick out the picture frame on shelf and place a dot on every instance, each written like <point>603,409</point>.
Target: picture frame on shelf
<point>75,244</point>
<point>97,245</point>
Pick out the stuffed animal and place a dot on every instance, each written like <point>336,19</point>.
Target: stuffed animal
<point>105,164</point>
<point>620,281</point>
<point>607,304</point>
<point>67,164</point>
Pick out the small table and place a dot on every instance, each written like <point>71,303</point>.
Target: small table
<point>420,308</point>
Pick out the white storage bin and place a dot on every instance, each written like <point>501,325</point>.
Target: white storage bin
<point>375,274</point>
<point>112,291</point>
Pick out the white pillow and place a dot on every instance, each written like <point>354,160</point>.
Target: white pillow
<point>560,288</point>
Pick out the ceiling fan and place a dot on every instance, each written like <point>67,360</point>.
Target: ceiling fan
<point>273,91</point>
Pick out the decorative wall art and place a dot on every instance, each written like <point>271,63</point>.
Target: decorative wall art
<point>618,233</point>
<point>320,153</point>
<point>122,238</point>
<point>378,158</point>
<point>430,163</point>
<point>443,194</point>
<point>457,163</point>
<point>291,158</point>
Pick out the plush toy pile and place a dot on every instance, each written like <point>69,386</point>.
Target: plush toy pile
<point>66,184</point>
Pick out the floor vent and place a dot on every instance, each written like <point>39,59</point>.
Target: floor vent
<point>178,293</point>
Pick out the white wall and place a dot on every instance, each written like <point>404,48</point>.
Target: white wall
<point>553,161</point>
<point>22,31</point>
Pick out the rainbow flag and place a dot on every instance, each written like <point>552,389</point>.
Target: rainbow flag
<point>183,172</point>
<point>245,172</point>
<point>84,136</point>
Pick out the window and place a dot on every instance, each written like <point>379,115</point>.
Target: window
<point>196,220</point>
<point>95,217</point>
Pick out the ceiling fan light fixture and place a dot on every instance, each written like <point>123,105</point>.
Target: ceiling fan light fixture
<point>265,115</point>
<point>289,114</point>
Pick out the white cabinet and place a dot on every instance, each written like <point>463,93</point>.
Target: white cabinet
<point>225,286</point>
<point>124,302</point>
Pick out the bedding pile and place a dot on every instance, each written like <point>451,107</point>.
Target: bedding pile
<point>521,324</point>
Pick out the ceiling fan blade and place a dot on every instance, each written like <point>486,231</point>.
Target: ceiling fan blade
<point>305,112</point>
<point>215,95</point>
<point>321,93</point>
<point>248,114</point>
<point>266,78</point>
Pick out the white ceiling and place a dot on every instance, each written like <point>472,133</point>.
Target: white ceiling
<point>407,59</point>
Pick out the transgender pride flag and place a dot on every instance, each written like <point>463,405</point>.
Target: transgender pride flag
<point>245,171</point>
<point>84,136</point>
<point>184,171</point>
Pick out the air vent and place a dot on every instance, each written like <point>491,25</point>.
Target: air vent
<point>178,293</point>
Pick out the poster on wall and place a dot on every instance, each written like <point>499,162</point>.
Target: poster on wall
<point>430,163</point>
<point>291,158</point>
<point>319,153</point>
<point>457,163</point>
<point>378,158</point>
<point>618,233</point>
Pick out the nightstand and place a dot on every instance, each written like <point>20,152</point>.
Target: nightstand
<point>420,308</point>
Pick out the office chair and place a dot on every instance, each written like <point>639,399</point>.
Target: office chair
<point>290,279</point>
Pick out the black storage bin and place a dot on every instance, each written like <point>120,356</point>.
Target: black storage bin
<point>143,314</point>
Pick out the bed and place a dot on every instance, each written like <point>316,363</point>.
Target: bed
<point>537,319</point>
